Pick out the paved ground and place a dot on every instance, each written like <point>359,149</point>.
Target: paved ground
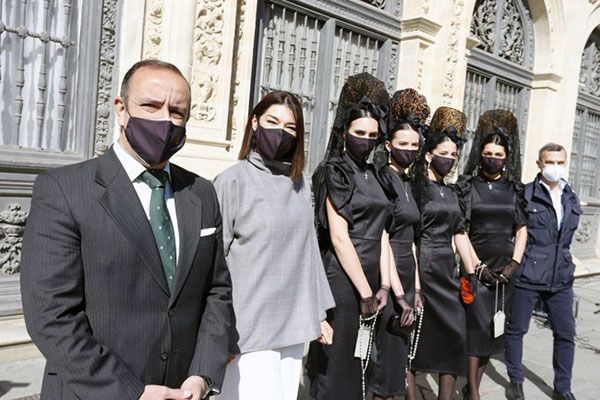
<point>21,367</point>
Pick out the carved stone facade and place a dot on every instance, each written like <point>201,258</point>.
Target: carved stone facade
<point>452,52</point>
<point>433,44</point>
<point>75,70</point>
<point>106,88</point>
<point>12,226</point>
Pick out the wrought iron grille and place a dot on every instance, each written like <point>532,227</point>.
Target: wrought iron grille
<point>585,151</point>
<point>585,154</point>
<point>291,55</point>
<point>37,39</point>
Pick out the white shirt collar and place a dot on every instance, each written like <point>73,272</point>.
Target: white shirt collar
<point>561,183</point>
<point>132,166</point>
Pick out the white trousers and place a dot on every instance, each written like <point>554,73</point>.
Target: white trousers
<point>264,375</point>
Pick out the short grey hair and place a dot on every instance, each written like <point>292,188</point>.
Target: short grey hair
<point>550,147</point>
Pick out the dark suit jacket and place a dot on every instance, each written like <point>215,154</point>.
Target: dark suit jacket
<point>95,297</point>
<point>547,263</point>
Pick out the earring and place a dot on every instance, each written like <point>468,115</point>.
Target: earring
<point>504,168</point>
<point>389,158</point>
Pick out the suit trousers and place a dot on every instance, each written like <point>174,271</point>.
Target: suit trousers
<point>265,375</point>
<point>560,313</point>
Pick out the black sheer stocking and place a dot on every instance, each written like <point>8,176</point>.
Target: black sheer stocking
<point>446,389</point>
<point>475,369</point>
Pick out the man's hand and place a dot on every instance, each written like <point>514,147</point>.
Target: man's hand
<point>157,392</point>
<point>326,337</point>
<point>196,386</point>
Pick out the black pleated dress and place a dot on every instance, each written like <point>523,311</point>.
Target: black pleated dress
<point>492,210</point>
<point>359,198</point>
<point>388,371</point>
<point>442,345</point>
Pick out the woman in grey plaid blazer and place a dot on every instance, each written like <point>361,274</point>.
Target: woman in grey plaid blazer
<point>280,291</point>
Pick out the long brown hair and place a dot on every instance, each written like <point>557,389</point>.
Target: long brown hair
<point>289,100</point>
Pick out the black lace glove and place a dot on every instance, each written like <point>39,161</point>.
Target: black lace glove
<point>368,306</point>
<point>486,275</point>
<point>473,282</point>
<point>509,271</point>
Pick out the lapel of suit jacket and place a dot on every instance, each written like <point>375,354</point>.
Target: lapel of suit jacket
<point>122,204</point>
<point>188,206</point>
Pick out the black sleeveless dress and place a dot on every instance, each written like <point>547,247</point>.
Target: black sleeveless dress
<point>442,344</point>
<point>388,372</point>
<point>359,198</point>
<point>492,210</point>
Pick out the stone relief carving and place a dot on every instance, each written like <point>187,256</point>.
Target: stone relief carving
<point>376,3</point>
<point>452,51</point>
<point>153,29</point>
<point>234,95</point>
<point>589,75</point>
<point>105,76</point>
<point>393,68</point>
<point>483,24</point>
<point>512,42</point>
<point>202,108</point>
<point>12,226</point>
<point>584,231</point>
<point>425,6</point>
<point>207,52</point>
<point>506,40</point>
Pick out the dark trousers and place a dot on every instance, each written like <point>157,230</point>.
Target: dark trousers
<point>560,313</point>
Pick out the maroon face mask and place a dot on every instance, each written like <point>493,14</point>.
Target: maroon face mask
<point>275,144</point>
<point>404,157</point>
<point>359,148</point>
<point>442,165</point>
<point>492,165</point>
<point>155,141</point>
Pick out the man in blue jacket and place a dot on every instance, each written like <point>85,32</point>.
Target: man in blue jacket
<point>546,272</point>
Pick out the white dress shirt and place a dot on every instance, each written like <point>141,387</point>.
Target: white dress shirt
<point>556,196</point>
<point>133,169</point>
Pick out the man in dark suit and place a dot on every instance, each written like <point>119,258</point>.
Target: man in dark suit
<point>546,272</point>
<point>125,287</point>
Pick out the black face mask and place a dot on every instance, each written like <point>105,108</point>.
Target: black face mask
<point>442,165</point>
<point>359,148</point>
<point>275,144</point>
<point>492,165</point>
<point>404,157</point>
<point>155,141</point>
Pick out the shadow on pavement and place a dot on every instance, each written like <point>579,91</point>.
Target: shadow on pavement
<point>6,386</point>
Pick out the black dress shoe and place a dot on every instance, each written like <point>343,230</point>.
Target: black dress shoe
<point>562,396</point>
<point>515,391</point>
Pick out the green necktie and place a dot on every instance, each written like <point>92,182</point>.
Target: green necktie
<point>160,221</point>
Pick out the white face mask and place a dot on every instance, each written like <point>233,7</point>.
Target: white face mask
<point>554,172</point>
